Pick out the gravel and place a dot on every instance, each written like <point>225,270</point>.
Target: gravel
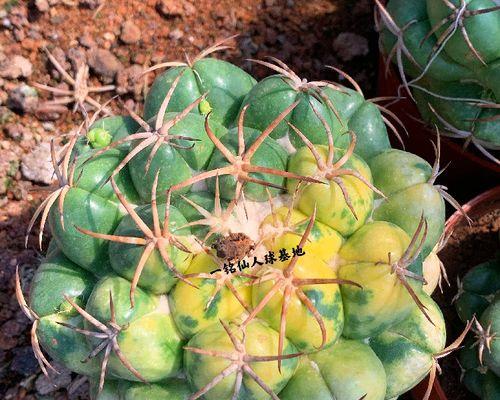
<point>23,99</point>
<point>104,64</point>
<point>36,166</point>
<point>15,67</point>
<point>349,45</point>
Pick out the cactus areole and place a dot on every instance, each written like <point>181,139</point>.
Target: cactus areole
<point>232,244</point>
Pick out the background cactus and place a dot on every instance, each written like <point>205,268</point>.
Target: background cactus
<point>479,296</point>
<point>447,54</point>
<point>240,250</point>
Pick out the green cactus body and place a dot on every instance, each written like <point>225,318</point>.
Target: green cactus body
<point>172,389</point>
<point>55,278</point>
<point>406,349</point>
<point>149,321</point>
<point>225,84</point>
<point>174,164</point>
<point>273,94</point>
<point>403,178</point>
<point>204,309</point>
<point>328,198</point>
<point>450,66</point>
<point>207,248</point>
<point>491,319</point>
<point>383,300</point>
<point>156,276</point>
<point>260,340</point>
<point>90,203</point>
<point>478,287</point>
<point>270,155</point>
<point>348,370</point>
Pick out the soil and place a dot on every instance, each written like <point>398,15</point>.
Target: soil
<point>467,247</point>
<point>306,34</point>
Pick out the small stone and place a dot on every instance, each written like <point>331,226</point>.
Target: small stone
<point>189,9</point>
<point>176,34</point>
<point>42,5</point>
<point>5,115</point>
<point>17,132</point>
<point>10,331</point>
<point>45,386</point>
<point>127,82</point>
<point>77,58</point>
<point>9,167</point>
<point>24,361</point>
<point>109,36</point>
<point>104,64</point>
<point>50,113</point>
<point>15,67</point>
<point>170,8</point>
<point>19,35</point>
<point>130,33</point>
<point>92,4</point>
<point>48,126</point>
<point>86,40</point>
<point>60,57</point>
<point>36,166</point>
<point>23,99</point>
<point>3,97</point>
<point>349,45</point>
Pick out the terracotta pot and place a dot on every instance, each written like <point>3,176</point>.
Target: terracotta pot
<point>468,173</point>
<point>475,208</point>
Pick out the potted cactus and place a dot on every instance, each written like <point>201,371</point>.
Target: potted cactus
<point>241,240</point>
<point>444,57</point>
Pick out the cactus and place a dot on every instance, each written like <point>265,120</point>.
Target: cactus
<point>478,297</point>
<point>447,54</point>
<point>195,242</point>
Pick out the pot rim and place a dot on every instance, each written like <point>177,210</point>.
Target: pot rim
<point>471,206</point>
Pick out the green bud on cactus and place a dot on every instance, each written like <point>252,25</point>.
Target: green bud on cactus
<point>99,138</point>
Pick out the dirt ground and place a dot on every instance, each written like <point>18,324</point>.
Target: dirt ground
<point>128,35</point>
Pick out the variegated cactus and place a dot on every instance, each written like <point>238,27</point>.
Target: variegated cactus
<point>243,240</point>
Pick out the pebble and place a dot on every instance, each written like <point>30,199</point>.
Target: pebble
<point>127,82</point>
<point>109,36</point>
<point>19,35</point>
<point>130,33</point>
<point>24,361</point>
<point>42,5</point>
<point>86,40</point>
<point>349,45</point>
<point>92,4</point>
<point>60,57</point>
<point>176,34</point>
<point>48,126</point>
<point>17,132</point>
<point>169,8</point>
<point>45,386</point>
<point>104,64</point>
<point>15,67</point>
<point>77,57</point>
<point>23,99</point>
<point>5,115</point>
<point>36,166</point>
